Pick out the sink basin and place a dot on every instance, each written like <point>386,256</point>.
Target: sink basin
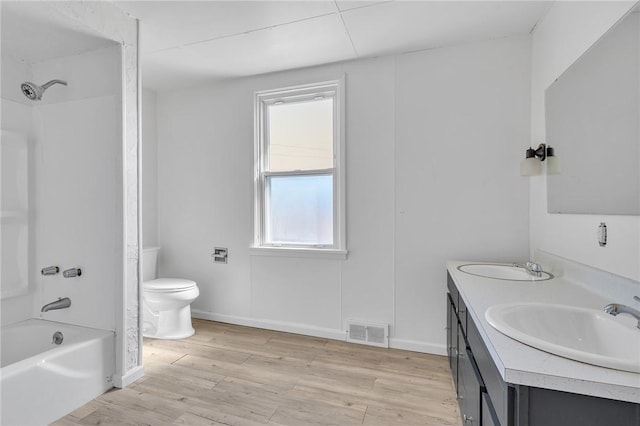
<point>587,335</point>
<point>502,272</point>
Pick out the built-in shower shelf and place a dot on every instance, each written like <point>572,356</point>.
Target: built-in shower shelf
<point>9,136</point>
<point>11,215</point>
<point>18,289</point>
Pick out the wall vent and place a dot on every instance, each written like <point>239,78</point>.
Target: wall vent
<point>368,333</point>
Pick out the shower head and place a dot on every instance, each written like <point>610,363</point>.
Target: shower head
<point>34,92</point>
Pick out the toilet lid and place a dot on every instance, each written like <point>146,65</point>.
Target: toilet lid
<point>168,284</point>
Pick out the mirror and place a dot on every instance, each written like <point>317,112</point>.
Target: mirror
<point>593,122</point>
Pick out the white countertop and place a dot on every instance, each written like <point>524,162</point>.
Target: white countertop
<point>525,365</point>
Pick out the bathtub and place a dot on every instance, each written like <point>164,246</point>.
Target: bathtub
<point>41,381</point>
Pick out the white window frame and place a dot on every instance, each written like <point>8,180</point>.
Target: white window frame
<point>335,89</point>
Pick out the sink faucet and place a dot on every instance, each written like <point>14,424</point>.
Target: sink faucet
<point>533,268</point>
<point>58,304</point>
<point>617,309</point>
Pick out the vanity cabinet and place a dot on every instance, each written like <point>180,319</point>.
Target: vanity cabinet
<point>471,393</point>
<point>485,399</point>
<point>488,416</point>
<point>452,338</point>
<point>469,386</point>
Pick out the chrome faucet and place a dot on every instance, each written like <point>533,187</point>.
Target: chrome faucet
<point>533,268</point>
<point>61,303</point>
<point>617,309</point>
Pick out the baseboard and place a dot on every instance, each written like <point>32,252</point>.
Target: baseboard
<point>287,327</point>
<point>327,333</point>
<point>415,346</point>
<point>131,376</point>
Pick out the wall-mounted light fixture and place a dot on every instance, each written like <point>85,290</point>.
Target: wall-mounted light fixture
<point>532,163</point>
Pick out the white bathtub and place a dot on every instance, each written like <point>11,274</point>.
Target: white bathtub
<point>41,381</point>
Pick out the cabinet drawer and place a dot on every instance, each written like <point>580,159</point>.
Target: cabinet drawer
<point>460,307</point>
<point>453,291</point>
<point>499,393</point>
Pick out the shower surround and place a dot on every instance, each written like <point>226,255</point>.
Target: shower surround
<point>70,177</point>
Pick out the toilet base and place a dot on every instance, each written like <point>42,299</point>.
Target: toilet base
<point>170,325</point>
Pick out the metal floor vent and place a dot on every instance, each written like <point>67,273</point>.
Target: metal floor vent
<point>367,333</point>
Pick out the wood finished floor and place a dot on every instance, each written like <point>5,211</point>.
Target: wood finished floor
<point>233,375</point>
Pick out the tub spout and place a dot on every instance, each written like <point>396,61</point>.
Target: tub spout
<point>61,303</point>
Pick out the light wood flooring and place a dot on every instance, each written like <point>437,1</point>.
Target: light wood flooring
<point>233,375</point>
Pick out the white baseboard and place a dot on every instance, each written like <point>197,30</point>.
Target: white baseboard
<point>415,346</point>
<point>131,376</point>
<point>308,330</point>
<point>287,327</point>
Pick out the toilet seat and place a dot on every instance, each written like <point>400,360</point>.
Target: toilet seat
<point>168,285</point>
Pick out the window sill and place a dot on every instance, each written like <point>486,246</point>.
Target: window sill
<point>312,253</point>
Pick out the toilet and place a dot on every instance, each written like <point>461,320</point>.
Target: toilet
<point>166,309</point>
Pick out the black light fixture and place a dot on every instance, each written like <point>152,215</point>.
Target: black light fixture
<point>532,163</point>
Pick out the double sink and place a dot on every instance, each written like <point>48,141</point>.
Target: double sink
<point>588,335</point>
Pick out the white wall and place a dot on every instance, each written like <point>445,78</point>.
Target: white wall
<point>460,115</point>
<point>149,168</point>
<point>433,145</point>
<point>567,31</point>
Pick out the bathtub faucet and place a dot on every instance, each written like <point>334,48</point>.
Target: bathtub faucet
<point>61,303</point>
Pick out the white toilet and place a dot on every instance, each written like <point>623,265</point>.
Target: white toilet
<point>166,307</point>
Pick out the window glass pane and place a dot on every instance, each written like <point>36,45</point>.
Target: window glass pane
<point>300,209</point>
<point>301,135</point>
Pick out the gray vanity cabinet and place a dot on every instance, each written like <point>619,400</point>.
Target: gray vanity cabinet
<point>488,416</point>
<point>452,337</point>
<point>470,389</point>
<point>486,400</point>
<point>469,385</point>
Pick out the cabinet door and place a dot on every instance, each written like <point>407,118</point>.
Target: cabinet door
<point>469,386</point>
<point>452,339</point>
<point>488,416</point>
<point>499,394</point>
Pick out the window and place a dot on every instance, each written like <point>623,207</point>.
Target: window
<point>299,169</point>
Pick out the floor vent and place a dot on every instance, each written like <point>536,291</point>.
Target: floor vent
<point>368,333</point>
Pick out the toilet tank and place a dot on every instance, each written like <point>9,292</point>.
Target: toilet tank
<point>150,263</point>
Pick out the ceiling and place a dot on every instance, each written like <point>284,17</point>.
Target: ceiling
<point>187,43</point>
<point>32,33</point>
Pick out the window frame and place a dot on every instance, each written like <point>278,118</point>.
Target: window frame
<point>301,93</point>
